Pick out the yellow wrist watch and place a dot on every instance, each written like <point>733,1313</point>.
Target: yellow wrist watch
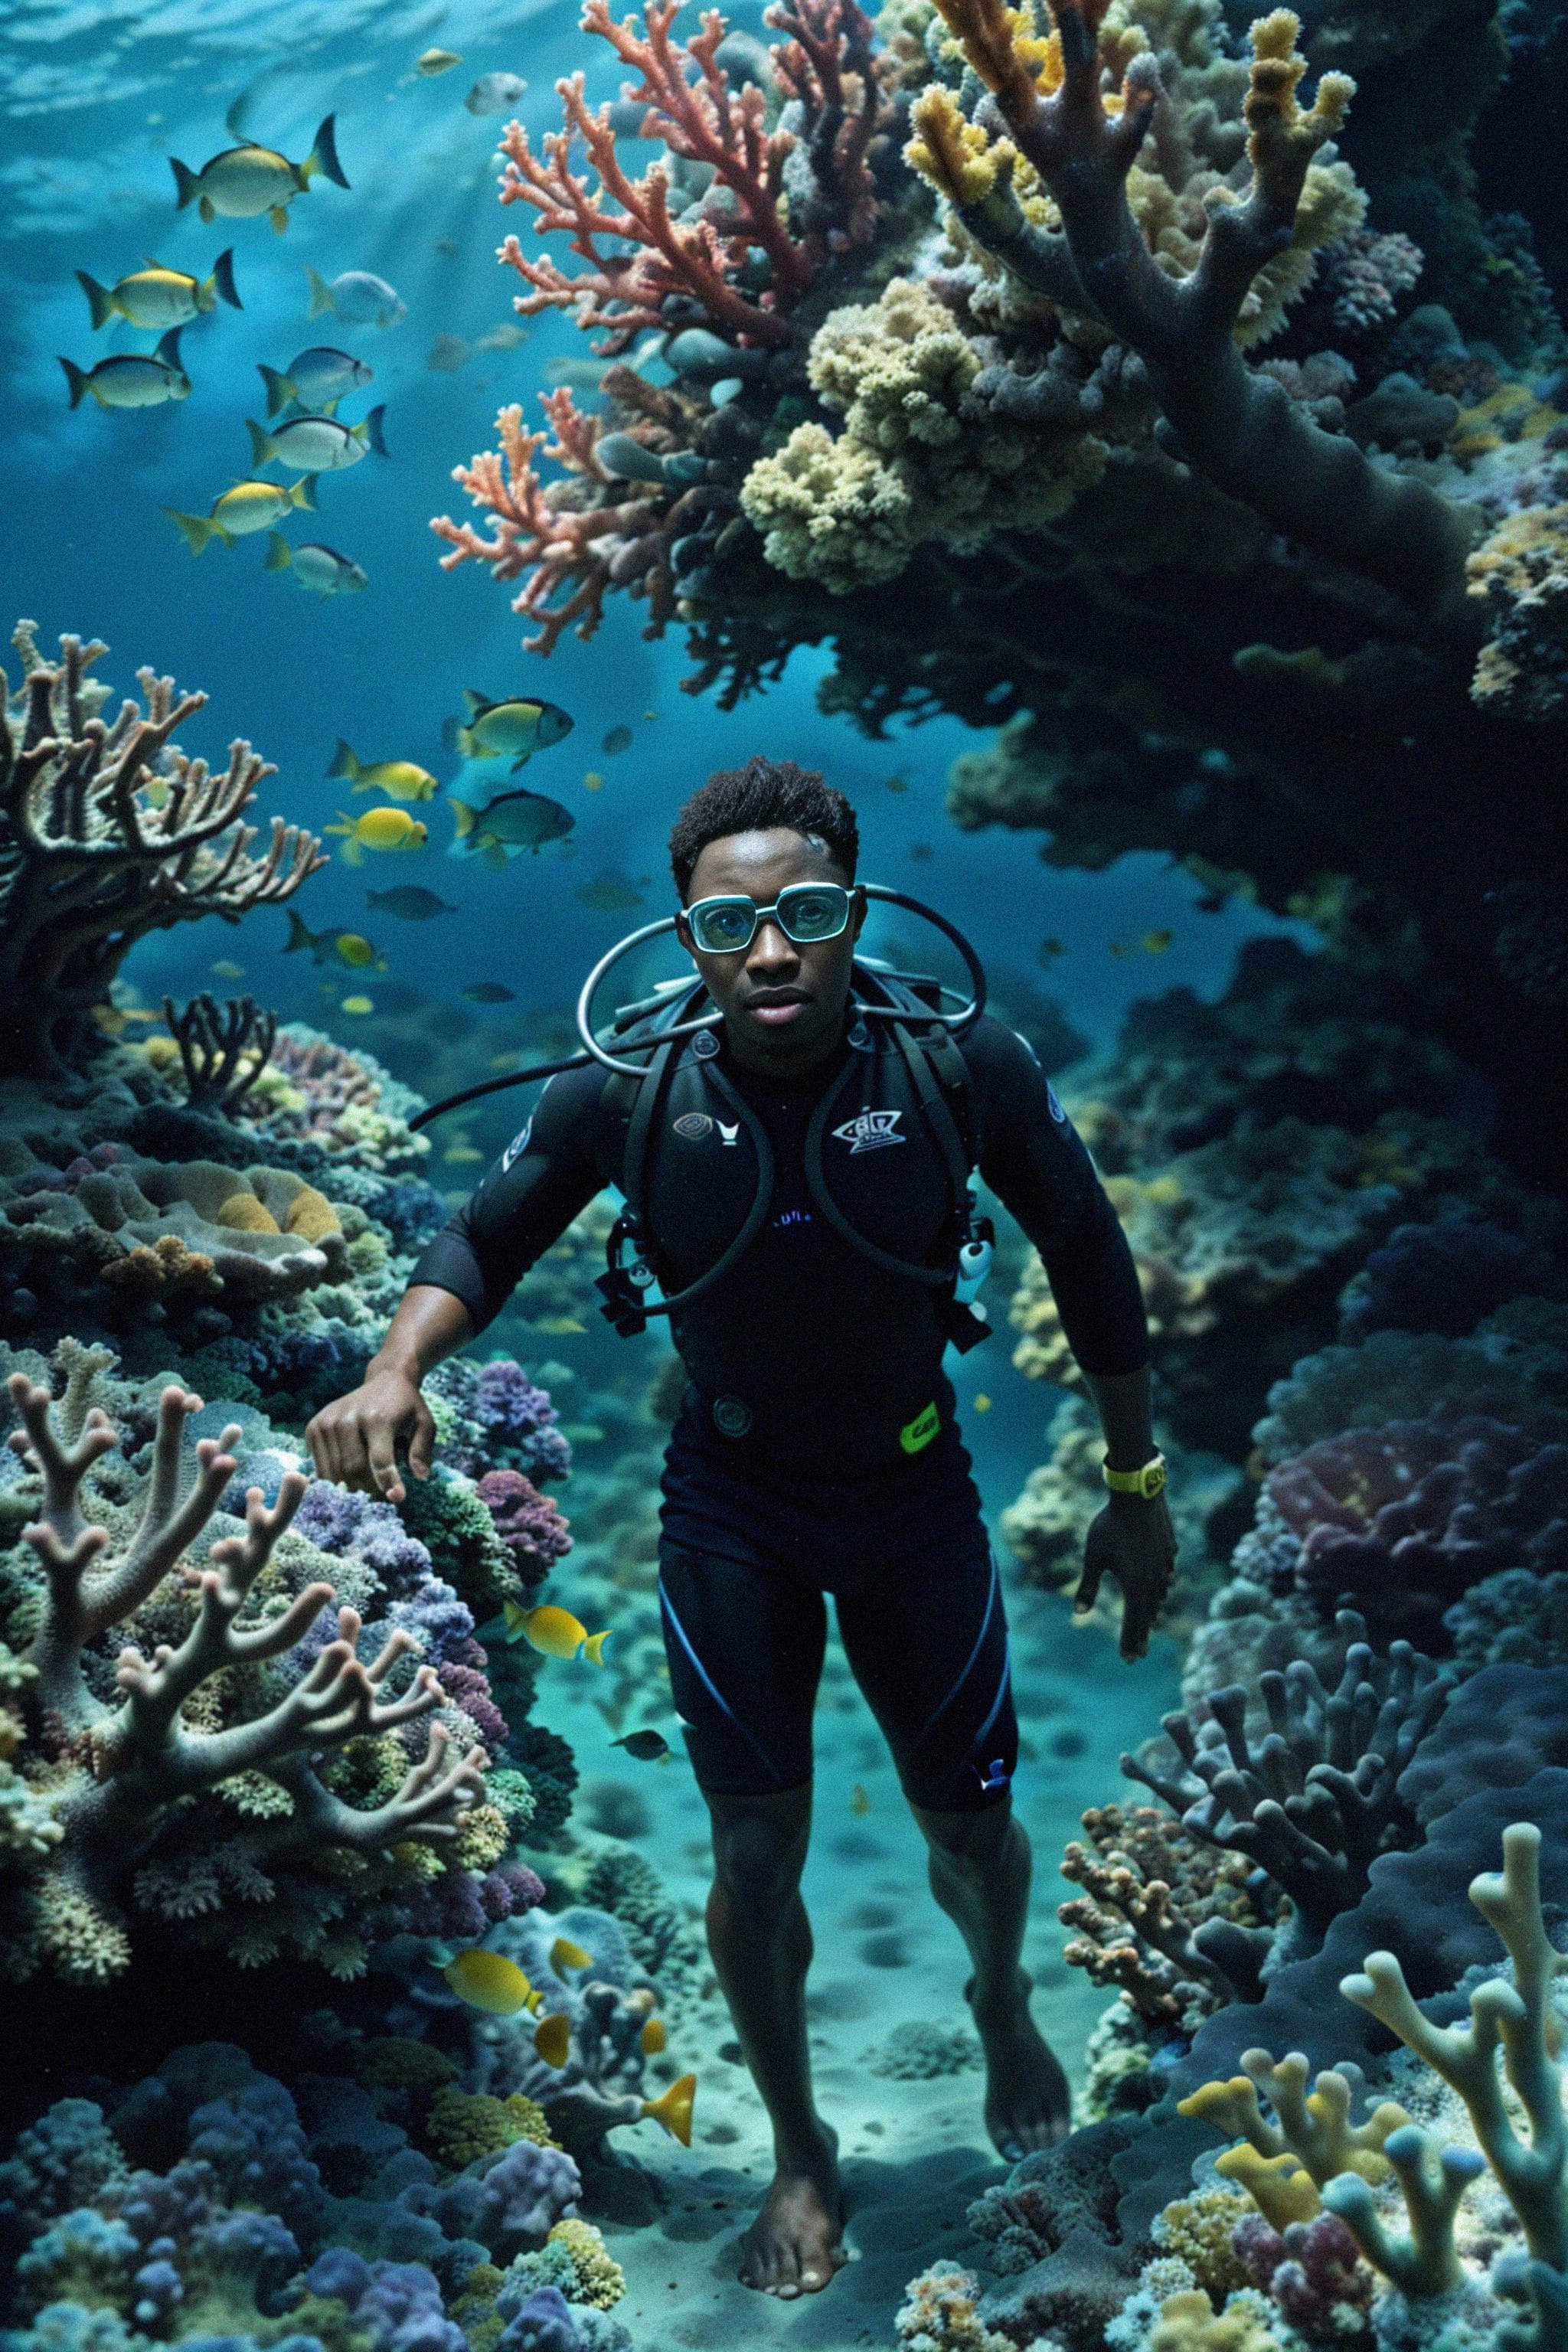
<point>1146,1481</point>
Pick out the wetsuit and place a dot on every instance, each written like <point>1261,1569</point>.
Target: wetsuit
<point>815,1449</point>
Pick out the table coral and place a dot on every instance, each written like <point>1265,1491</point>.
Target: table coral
<point>206,1776</point>
<point>108,831</point>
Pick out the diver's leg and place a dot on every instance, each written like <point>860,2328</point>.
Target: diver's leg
<point>759,1938</point>
<point>930,1652</point>
<point>745,1652</point>
<point>980,1865</point>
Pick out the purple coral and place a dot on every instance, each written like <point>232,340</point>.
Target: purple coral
<point>518,1422</point>
<point>1404,1519</point>
<point>461,1904</point>
<point>1313,2272</point>
<point>1363,278</point>
<point>465,1687</point>
<point>528,1523</point>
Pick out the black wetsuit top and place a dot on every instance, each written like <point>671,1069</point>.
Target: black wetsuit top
<point>830,1355</point>
<point>816,1449</point>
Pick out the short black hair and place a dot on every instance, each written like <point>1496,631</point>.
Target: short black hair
<point>752,799</point>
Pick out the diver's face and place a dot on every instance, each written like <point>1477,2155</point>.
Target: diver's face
<point>782,1003</point>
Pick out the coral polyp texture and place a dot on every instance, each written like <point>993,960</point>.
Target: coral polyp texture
<point>107,831</point>
<point>195,1740</point>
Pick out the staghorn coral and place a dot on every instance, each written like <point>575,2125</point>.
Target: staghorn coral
<point>1151,1891</point>
<point>222,1052</point>
<point>211,1779</point>
<point>107,831</point>
<point>1317,1800</point>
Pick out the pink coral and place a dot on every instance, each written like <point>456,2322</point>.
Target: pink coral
<point>1313,2272</point>
<point>527,1522</point>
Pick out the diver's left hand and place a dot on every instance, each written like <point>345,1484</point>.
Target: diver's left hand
<point>1135,1542</point>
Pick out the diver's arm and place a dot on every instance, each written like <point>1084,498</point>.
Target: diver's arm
<point>462,1282</point>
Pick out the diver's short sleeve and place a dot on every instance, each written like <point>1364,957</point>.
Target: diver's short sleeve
<point>1040,1168</point>
<point>547,1174</point>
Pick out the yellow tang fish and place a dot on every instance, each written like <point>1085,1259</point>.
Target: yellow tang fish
<point>400,780</point>
<point>653,2037</point>
<point>552,2039</point>
<point>673,2108</point>
<point>355,951</point>
<point>554,1631</point>
<point>356,1005</point>
<point>248,507</point>
<point>379,828</point>
<point>155,298</point>
<point>981,1401</point>
<point>487,1980</point>
<point>565,1954</point>
<point>243,182</point>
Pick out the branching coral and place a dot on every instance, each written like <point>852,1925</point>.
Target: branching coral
<point>1081,144</point>
<point>209,1718</point>
<point>222,1053</point>
<point>1144,1923</point>
<point>1316,1802</point>
<point>108,831</point>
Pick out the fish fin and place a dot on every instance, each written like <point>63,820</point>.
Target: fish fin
<point>280,389</point>
<point>278,217</point>
<point>492,854</point>
<point>302,493</point>
<point>473,701</point>
<point>371,428</point>
<point>223,278</point>
<point>167,349</point>
<point>343,761</point>
<point>198,528</point>
<point>330,407</point>
<point>299,937</point>
<point>522,761</point>
<point>263,448</point>
<point>235,121</point>
<point>279,555</point>
<point>99,300</point>
<point>323,154</point>
<point>321,293</point>
<point>77,380</point>
<point>463,818</point>
<point>207,210</point>
<point>593,1647</point>
<point>351,853</point>
<point>187,183</point>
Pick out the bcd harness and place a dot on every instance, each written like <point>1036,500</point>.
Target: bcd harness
<point>939,1080</point>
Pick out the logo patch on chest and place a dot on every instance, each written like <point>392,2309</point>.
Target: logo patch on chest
<point>693,1125</point>
<point>869,1130</point>
<point>517,1147</point>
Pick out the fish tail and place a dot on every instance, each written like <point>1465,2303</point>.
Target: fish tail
<point>593,1647</point>
<point>302,493</point>
<point>372,431</point>
<point>187,183</point>
<point>167,349</point>
<point>279,556</point>
<point>343,761</point>
<point>77,380</point>
<point>279,389</point>
<point>223,278</point>
<point>321,293</point>
<point>278,217</point>
<point>466,743</point>
<point>462,816</point>
<point>198,528</point>
<point>323,154</point>
<point>99,300</point>
<point>263,448</point>
<point>299,937</point>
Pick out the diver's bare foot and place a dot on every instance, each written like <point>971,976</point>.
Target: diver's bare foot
<point>795,2244</point>
<point>1028,2101</point>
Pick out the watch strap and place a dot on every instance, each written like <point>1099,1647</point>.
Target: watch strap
<point>1146,1480</point>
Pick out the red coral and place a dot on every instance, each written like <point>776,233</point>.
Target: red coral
<point>826,66</point>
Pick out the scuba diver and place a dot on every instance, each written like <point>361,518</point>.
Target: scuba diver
<point>795,1160</point>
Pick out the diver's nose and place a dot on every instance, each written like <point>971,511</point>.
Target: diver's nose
<point>772,948</point>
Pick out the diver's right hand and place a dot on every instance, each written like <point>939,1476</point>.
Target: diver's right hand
<point>355,1440</point>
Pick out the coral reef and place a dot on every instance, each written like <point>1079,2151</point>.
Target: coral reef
<point>197,1741</point>
<point>1151,1889</point>
<point>222,1052</point>
<point>107,831</point>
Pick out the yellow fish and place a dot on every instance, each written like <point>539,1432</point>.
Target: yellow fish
<point>552,2039</point>
<point>898,784</point>
<point>554,1631</point>
<point>1154,942</point>
<point>401,780</point>
<point>378,828</point>
<point>487,1980</point>
<point>461,1152</point>
<point>156,298</point>
<point>565,1954</point>
<point>982,1402</point>
<point>654,2036</point>
<point>356,951</point>
<point>243,182</point>
<point>859,1803</point>
<point>559,1327</point>
<point>248,507</point>
<point>673,2108</point>
<point>593,781</point>
<point>437,61</point>
<point>356,1005</point>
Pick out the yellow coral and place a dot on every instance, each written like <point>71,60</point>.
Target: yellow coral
<point>1188,2323</point>
<point>242,1212</point>
<point>829,511</point>
<point>957,157</point>
<point>1196,2230</point>
<point>1282,2191</point>
<point>482,1838</point>
<point>599,2279</point>
<point>311,1216</point>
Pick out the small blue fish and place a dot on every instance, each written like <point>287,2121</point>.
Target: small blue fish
<point>319,569</point>
<point>317,379</point>
<point>357,296</point>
